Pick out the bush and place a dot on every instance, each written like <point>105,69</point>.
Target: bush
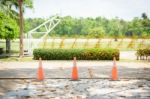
<point>81,54</point>
<point>143,52</point>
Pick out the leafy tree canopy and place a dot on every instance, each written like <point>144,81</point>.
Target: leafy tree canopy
<point>8,27</point>
<point>96,27</point>
<point>11,7</point>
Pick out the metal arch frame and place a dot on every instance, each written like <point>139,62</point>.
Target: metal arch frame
<point>49,25</point>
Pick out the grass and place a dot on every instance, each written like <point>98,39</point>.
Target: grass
<point>121,44</point>
<point>16,59</point>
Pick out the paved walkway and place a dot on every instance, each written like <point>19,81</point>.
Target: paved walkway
<point>62,69</point>
<point>133,88</point>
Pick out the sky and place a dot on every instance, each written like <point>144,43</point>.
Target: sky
<point>123,9</point>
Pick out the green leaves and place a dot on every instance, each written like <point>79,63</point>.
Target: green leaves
<point>143,52</point>
<point>97,32</point>
<point>81,54</point>
<point>8,27</point>
<point>11,7</point>
<point>95,27</point>
<point>28,3</point>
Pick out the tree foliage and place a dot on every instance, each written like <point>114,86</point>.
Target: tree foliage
<point>11,7</point>
<point>96,27</point>
<point>8,27</point>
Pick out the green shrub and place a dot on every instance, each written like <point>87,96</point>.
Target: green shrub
<point>81,54</point>
<point>143,52</point>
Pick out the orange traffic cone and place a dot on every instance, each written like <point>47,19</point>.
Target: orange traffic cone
<point>74,70</point>
<point>114,70</point>
<point>40,71</point>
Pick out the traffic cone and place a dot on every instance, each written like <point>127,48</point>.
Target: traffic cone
<point>40,71</point>
<point>74,70</point>
<point>114,70</point>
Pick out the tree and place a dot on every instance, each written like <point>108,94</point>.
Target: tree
<point>8,29</point>
<point>7,7</point>
<point>115,28</point>
<point>145,26</point>
<point>96,32</point>
<point>144,16</point>
<point>82,27</point>
<point>135,27</point>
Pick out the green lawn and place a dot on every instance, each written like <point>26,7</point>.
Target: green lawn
<point>122,45</point>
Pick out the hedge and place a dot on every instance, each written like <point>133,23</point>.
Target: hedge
<point>80,54</point>
<point>143,53</point>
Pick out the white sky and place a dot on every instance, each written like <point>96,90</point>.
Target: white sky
<point>125,9</point>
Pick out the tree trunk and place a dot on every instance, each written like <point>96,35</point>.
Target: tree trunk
<point>8,46</point>
<point>21,27</point>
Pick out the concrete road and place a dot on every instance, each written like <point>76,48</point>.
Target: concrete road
<point>134,80</point>
<point>62,69</point>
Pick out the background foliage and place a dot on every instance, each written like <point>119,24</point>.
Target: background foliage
<point>96,27</point>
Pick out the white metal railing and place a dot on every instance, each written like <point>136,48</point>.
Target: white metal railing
<point>49,25</point>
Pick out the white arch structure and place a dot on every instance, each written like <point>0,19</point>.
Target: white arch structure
<point>48,26</point>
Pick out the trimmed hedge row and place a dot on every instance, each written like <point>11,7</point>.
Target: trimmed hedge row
<point>81,54</point>
<point>143,53</point>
